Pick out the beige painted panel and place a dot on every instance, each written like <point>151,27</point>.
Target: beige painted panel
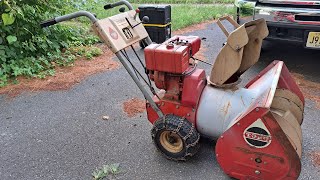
<point>294,123</point>
<point>292,132</point>
<point>227,63</point>
<point>238,38</point>
<point>257,30</point>
<point>285,100</point>
<point>285,93</point>
<point>117,33</point>
<point>229,59</point>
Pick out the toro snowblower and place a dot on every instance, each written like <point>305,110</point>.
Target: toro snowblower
<point>256,127</point>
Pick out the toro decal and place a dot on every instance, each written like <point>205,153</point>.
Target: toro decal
<point>113,34</point>
<point>257,135</point>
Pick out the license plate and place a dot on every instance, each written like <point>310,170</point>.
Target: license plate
<point>313,40</point>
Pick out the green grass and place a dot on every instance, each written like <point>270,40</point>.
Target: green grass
<point>182,1</point>
<point>182,15</point>
<point>186,15</point>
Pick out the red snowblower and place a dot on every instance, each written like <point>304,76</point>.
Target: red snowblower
<point>257,127</point>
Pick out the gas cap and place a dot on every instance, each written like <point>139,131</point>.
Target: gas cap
<point>170,46</point>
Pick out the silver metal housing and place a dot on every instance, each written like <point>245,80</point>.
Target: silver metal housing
<point>220,108</point>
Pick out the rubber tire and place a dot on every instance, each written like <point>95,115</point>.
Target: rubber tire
<point>170,123</point>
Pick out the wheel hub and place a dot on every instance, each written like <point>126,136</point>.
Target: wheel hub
<point>172,142</point>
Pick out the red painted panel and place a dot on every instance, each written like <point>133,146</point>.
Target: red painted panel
<point>240,160</point>
<point>264,71</point>
<point>285,82</point>
<point>193,42</point>
<point>171,59</point>
<point>192,88</point>
<point>171,107</point>
<point>149,56</point>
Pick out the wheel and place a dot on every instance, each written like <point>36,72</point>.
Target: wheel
<point>175,137</point>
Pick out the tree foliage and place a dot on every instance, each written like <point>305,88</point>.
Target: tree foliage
<point>25,48</point>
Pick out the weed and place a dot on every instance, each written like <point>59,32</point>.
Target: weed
<point>98,174</point>
<point>86,51</point>
<point>106,170</point>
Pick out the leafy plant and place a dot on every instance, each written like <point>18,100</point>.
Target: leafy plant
<point>26,49</point>
<point>98,174</point>
<point>246,9</point>
<point>87,51</point>
<point>114,168</point>
<point>106,170</point>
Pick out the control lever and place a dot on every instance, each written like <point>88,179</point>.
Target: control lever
<point>145,19</point>
<point>137,12</point>
<point>122,9</point>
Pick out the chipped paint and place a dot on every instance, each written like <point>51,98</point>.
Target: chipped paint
<point>260,154</point>
<point>226,109</point>
<point>242,101</point>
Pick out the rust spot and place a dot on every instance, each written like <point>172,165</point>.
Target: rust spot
<point>234,88</point>
<point>242,101</point>
<point>288,151</point>
<point>134,106</point>
<point>226,108</point>
<point>315,156</point>
<point>65,77</point>
<point>310,90</point>
<point>260,154</point>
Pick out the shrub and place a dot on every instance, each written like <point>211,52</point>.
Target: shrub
<point>25,48</point>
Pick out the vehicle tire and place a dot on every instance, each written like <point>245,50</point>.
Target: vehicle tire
<point>175,137</point>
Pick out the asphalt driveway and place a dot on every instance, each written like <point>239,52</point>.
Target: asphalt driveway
<point>61,134</point>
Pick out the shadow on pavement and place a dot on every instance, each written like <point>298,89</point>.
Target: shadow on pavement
<point>297,59</point>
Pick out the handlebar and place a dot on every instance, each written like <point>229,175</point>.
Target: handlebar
<point>89,15</point>
<point>119,3</point>
<point>47,23</point>
<point>56,20</point>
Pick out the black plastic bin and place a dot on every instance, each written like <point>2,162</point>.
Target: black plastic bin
<point>159,34</point>
<point>159,25</point>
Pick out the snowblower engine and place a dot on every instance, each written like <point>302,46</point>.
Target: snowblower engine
<point>169,66</point>
<point>257,127</point>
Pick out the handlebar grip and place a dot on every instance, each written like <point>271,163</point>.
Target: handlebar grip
<point>108,6</point>
<point>119,3</point>
<point>48,23</point>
